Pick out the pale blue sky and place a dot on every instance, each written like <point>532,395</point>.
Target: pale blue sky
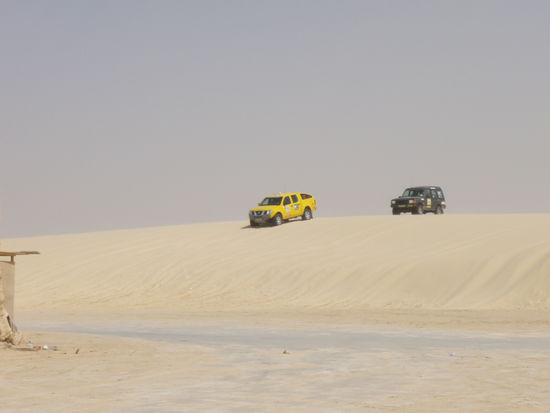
<point>123,114</point>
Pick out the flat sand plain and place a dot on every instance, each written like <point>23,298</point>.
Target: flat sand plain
<point>408,313</point>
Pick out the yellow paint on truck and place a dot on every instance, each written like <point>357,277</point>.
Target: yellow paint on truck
<point>277,208</point>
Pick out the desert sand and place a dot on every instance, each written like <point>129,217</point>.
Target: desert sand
<point>408,313</point>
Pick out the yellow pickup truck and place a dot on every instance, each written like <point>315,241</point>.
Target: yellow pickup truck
<point>276,209</point>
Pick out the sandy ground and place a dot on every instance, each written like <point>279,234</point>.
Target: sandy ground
<point>227,366</point>
<point>409,313</point>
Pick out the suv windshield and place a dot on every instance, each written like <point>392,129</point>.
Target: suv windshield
<point>411,192</point>
<point>272,201</point>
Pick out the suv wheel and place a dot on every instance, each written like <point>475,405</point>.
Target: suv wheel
<point>253,224</point>
<point>307,215</point>
<point>418,210</point>
<point>277,220</point>
<point>395,211</point>
<point>439,210</point>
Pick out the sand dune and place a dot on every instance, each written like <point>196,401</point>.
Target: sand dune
<point>339,314</point>
<point>405,262</point>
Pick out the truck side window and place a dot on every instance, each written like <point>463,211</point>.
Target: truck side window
<point>286,201</point>
<point>294,198</point>
<point>434,194</point>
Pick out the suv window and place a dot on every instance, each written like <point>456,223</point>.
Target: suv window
<point>286,201</point>
<point>305,196</point>
<point>294,198</point>
<point>272,201</point>
<point>434,194</point>
<point>413,192</point>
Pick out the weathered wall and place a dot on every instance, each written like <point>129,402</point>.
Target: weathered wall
<point>7,284</point>
<point>8,330</point>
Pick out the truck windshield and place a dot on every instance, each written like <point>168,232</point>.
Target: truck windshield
<point>413,192</point>
<point>272,201</point>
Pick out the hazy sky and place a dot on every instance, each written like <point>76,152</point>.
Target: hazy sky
<point>122,114</point>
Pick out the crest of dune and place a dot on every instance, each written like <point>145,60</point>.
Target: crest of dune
<point>404,262</point>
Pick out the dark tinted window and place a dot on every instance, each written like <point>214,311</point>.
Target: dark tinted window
<point>305,196</point>
<point>272,201</point>
<point>286,201</point>
<point>294,198</point>
<point>413,192</point>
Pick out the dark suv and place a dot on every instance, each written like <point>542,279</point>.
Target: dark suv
<point>419,200</point>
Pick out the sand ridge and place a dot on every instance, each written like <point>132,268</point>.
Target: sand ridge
<point>447,262</point>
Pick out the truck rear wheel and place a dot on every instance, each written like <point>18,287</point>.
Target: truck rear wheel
<point>307,214</point>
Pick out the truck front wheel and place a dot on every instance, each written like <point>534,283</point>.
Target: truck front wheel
<point>418,210</point>
<point>277,220</point>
